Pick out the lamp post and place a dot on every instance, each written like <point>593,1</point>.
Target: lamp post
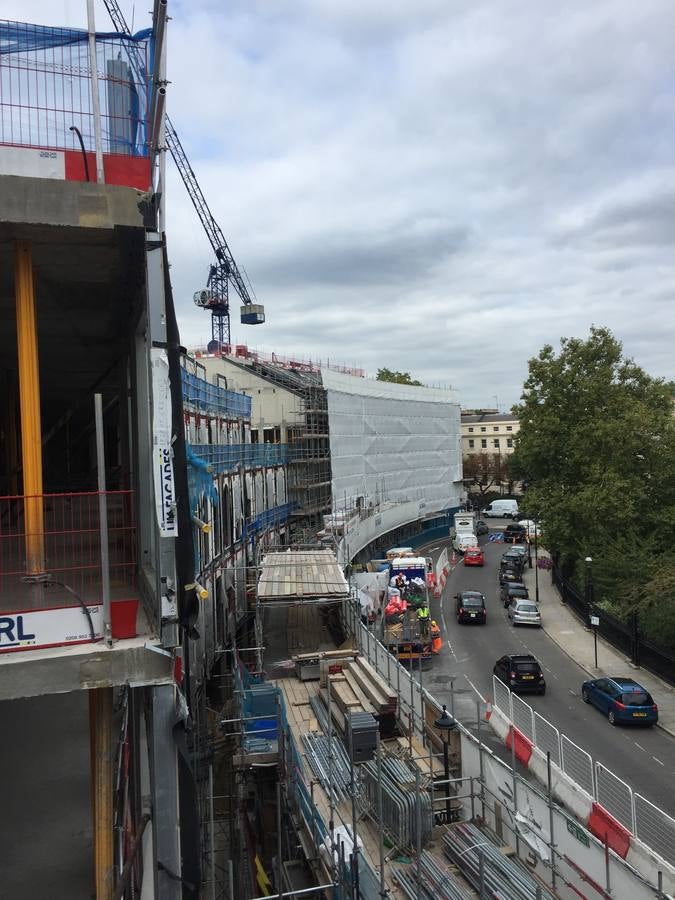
<point>592,620</point>
<point>445,725</point>
<point>536,561</point>
<point>589,585</point>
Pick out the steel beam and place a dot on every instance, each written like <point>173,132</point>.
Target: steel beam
<point>29,395</point>
<point>101,734</point>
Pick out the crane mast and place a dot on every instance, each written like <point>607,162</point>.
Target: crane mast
<point>224,272</point>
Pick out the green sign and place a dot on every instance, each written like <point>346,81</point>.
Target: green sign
<point>578,833</point>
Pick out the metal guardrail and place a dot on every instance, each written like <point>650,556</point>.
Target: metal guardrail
<point>578,764</point>
<point>643,819</point>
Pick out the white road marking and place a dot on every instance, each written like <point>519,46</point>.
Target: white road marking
<point>475,688</point>
<point>572,692</point>
<point>658,761</point>
<point>434,549</point>
<point>641,748</point>
<point>447,639</point>
<point>554,675</point>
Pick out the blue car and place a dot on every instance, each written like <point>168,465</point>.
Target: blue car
<point>621,700</point>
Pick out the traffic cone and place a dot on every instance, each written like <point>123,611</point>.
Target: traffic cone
<point>453,561</point>
<point>488,710</point>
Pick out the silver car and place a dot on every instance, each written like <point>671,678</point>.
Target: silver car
<point>524,612</point>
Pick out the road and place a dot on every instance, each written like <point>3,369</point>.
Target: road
<point>643,758</point>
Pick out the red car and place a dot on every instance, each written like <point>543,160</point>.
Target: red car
<point>474,557</point>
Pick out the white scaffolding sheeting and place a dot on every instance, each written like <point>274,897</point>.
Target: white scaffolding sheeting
<point>392,442</point>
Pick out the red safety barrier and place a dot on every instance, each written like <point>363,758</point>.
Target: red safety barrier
<point>523,745</point>
<point>606,828</point>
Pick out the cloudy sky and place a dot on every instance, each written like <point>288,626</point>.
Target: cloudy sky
<point>432,186</point>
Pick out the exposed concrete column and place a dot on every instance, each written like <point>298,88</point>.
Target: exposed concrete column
<point>165,792</point>
<point>29,395</point>
<point>101,735</point>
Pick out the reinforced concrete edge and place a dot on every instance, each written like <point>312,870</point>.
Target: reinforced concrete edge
<point>39,672</point>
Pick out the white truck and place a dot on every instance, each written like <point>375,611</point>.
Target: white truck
<point>464,531</point>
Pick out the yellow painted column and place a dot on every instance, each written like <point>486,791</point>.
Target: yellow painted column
<point>101,735</point>
<point>29,397</point>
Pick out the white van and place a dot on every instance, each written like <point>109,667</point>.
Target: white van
<point>463,542</point>
<point>503,509</point>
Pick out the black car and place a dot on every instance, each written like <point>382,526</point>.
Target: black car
<point>482,527</point>
<point>520,672</point>
<point>512,559</point>
<point>514,533</point>
<point>471,607</point>
<point>513,589</point>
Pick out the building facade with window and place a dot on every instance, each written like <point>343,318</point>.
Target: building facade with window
<point>488,431</point>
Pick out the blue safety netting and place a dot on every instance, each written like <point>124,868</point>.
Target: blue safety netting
<point>46,88</point>
<point>22,37</point>
<point>225,457</point>
<point>213,399</point>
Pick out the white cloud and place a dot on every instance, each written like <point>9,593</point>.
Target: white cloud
<point>440,188</point>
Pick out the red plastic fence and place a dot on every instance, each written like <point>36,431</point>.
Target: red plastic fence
<point>72,549</point>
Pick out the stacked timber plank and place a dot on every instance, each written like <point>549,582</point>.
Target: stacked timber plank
<point>382,697</point>
<point>356,687</point>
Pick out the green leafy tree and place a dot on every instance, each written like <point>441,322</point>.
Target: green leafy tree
<point>396,377</point>
<point>596,447</point>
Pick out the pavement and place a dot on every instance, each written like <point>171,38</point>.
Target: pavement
<point>576,640</point>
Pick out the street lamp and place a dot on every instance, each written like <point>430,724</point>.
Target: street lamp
<point>536,560</point>
<point>592,620</point>
<point>589,584</point>
<point>445,725</point>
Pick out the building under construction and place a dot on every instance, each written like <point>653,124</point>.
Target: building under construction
<point>354,444</point>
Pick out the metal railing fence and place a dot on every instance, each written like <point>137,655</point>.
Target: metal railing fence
<point>66,529</point>
<point>45,89</point>
<point>643,819</point>
<point>624,635</point>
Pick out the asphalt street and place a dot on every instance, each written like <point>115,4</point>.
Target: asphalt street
<point>642,757</point>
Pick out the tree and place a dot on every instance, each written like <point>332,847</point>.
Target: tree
<point>482,470</point>
<point>396,377</point>
<point>597,448</point>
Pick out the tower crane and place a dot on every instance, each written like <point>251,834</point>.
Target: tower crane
<point>224,272</point>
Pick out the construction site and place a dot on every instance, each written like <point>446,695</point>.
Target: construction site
<point>199,698</point>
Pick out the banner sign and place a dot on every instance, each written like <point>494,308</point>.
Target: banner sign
<point>165,495</point>
<point>35,629</point>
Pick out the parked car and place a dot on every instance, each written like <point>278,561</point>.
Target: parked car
<point>515,532</point>
<point>522,611</point>
<point>510,576</point>
<point>512,560</point>
<point>622,700</point>
<point>521,549</point>
<point>474,556</point>
<point>504,509</point>
<point>520,672</point>
<point>513,590</point>
<point>471,607</point>
<point>482,527</point>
